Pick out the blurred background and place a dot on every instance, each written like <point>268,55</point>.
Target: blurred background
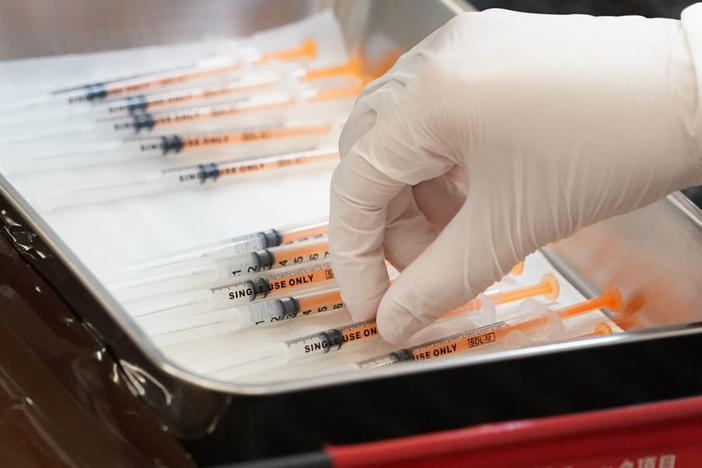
<point>650,8</point>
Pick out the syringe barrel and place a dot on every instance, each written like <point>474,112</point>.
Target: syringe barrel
<point>388,359</point>
<point>261,287</point>
<point>239,244</point>
<point>191,326</point>
<point>188,275</point>
<point>214,250</point>
<point>207,89</point>
<point>318,302</point>
<point>271,311</point>
<point>221,321</point>
<point>316,228</point>
<point>171,305</point>
<point>268,312</point>
<point>331,340</point>
<point>50,131</point>
<point>47,155</point>
<point>96,192</point>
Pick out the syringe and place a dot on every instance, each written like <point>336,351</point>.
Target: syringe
<point>205,271</point>
<point>191,327</point>
<point>241,291</point>
<point>40,157</point>
<point>260,79</point>
<point>127,106</point>
<point>548,287</point>
<point>469,340</point>
<point>273,311</point>
<point>242,82</point>
<point>278,354</point>
<point>89,93</point>
<point>177,178</point>
<point>333,339</point>
<point>204,116</point>
<point>312,229</point>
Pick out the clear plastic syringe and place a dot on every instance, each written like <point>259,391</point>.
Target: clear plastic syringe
<point>273,311</point>
<point>288,234</point>
<point>205,271</point>
<point>90,93</point>
<point>548,287</point>
<point>198,115</point>
<point>240,291</point>
<point>177,178</point>
<point>489,334</point>
<point>315,344</point>
<point>278,354</point>
<point>258,79</point>
<point>40,157</point>
<point>262,78</point>
<point>191,327</point>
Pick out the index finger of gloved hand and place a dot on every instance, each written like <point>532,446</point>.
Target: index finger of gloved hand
<point>407,231</point>
<point>360,194</point>
<point>439,199</point>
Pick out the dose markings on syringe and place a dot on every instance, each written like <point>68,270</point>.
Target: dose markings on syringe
<point>264,165</point>
<point>176,143</point>
<point>477,337</point>
<point>305,233</point>
<point>306,253</point>
<point>259,288</point>
<point>177,97</point>
<point>251,135</point>
<point>307,49</point>
<point>320,302</point>
<point>262,103</point>
<point>287,255</point>
<point>332,339</point>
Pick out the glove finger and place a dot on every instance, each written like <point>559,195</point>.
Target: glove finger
<point>460,263</point>
<point>439,199</point>
<point>360,121</point>
<point>381,155</point>
<point>363,114</point>
<point>360,195</point>
<point>407,232</point>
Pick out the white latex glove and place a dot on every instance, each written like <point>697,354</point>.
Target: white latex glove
<point>557,121</point>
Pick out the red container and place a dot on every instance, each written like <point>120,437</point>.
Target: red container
<point>658,435</point>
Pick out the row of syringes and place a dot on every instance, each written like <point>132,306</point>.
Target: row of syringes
<point>221,274</point>
<point>300,304</point>
<point>128,94</point>
<point>143,113</point>
<point>149,182</point>
<point>169,324</point>
<point>531,324</point>
<point>201,117</point>
<point>282,142</point>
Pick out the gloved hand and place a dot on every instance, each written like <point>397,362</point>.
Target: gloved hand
<point>556,122</point>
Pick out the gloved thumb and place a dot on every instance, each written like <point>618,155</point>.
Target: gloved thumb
<point>459,264</point>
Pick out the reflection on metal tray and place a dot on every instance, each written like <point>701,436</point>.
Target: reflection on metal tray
<point>654,254</point>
